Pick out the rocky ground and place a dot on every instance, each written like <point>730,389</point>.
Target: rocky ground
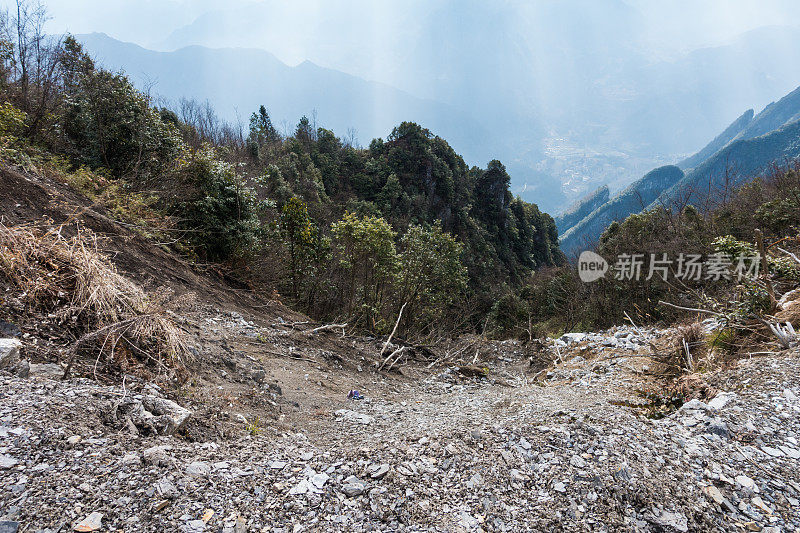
<point>273,443</point>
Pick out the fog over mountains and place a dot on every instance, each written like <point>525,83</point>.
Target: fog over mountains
<point>570,95</point>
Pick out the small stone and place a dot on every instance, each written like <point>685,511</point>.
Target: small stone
<point>476,434</point>
<point>721,400</point>
<point>50,371</point>
<point>772,452</point>
<point>9,352</point>
<point>758,502</point>
<point>716,426</point>
<point>7,462</point>
<point>379,472</point>
<point>694,405</point>
<point>73,440</point>
<point>198,469</point>
<point>577,461</point>
<point>560,487</point>
<point>353,416</point>
<point>157,455</point>
<point>353,489</point>
<point>319,480</point>
<point>93,522</point>
<point>747,483</point>
<point>516,475</point>
<point>22,369</point>
<point>7,526</point>
<point>675,520</point>
<point>303,487</point>
<point>132,459</point>
<point>789,395</point>
<point>524,443</point>
<point>166,489</point>
<point>714,493</point>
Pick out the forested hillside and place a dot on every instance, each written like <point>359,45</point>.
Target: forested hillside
<point>338,231</point>
<point>633,199</point>
<point>581,209</point>
<point>747,148</point>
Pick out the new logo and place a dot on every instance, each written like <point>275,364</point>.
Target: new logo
<point>591,266</point>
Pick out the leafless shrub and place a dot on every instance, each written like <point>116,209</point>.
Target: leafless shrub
<point>68,278</point>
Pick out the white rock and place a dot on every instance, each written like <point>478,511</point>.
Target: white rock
<point>773,452</point>
<point>672,520</point>
<point>352,416</point>
<point>7,462</point>
<point>694,405</point>
<point>747,483</point>
<point>721,400</point>
<point>714,493</point>
<point>303,487</point>
<point>198,469</point>
<point>46,371</point>
<point>577,461</point>
<point>175,415</point>
<point>319,480</point>
<point>378,471</point>
<point>353,489</point>
<point>93,522</point>
<point>9,352</point>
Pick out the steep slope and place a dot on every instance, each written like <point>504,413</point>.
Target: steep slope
<point>632,200</point>
<point>730,133</point>
<point>237,81</point>
<point>740,161</point>
<point>775,115</point>
<point>579,210</point>
<point>746,148</point>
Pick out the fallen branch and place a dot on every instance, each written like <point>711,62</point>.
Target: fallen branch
<point>786,335</point>
<point>397,323</point>
<point>790,254</point>
<point>396,354</point>
<point>692,309</point>
<point>328,327</point>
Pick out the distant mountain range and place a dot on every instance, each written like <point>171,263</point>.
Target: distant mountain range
<point>237,81</point>
<point>746,148</point>
<point>570,100</point>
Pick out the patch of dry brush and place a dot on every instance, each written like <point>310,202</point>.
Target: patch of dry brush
<point>69,280</point>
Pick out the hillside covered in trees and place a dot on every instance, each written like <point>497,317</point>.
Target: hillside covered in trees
<point>338,231</point>
<point>747,148</point>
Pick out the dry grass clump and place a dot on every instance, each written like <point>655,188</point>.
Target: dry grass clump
<point>69,280</point>
<point>687,349</point>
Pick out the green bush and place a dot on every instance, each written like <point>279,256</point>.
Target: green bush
<point>219,213</point>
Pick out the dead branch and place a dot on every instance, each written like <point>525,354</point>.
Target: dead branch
<point>790,254</point>
<point>328,327</point>
<point>765,266</point>
<point>396,354</point>
<point>786,335</point>
<point>397,323</point>
<point>692,309</point>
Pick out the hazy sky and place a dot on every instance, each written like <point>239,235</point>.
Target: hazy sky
<point>678,24</point>
<point>571,91</point>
